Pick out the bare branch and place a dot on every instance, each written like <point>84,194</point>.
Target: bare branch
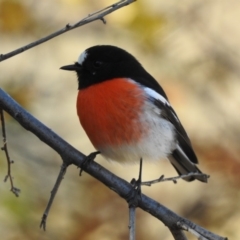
<point>14,190</point>
<point>72,156</point>
<point>99,15</point>
<point>53,194</point>
<point>132,226</point>
<point>174,179</point>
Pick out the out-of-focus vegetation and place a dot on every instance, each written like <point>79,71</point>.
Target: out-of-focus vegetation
<point>191,47</point>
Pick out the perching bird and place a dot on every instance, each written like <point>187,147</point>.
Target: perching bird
<point>126,113</point>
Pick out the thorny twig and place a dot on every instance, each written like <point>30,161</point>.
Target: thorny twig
<point>174,179</point>
<point>4,148</point>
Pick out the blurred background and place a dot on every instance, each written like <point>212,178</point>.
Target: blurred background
<point>191,47</point>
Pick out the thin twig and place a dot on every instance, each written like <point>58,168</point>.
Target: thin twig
<point>132,228</point>
<point>174,179</point>
<point>99,15</point>
<point>14,190</point>
<point>53,194</point>
<point>73,156</point>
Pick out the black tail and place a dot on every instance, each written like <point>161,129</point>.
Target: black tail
<point>184,166</point>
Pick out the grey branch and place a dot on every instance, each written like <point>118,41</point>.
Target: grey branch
<point>132,225</point>
<point>99,15</point>
<point>72,156</point>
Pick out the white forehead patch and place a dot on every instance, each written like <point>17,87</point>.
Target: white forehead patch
<point>82,57</point>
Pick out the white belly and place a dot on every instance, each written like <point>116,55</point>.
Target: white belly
<point>158,143</point>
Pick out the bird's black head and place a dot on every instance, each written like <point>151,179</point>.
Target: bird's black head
<point>104,62</point>
<point>101,63</point>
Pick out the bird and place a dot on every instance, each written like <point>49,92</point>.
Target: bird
<point>126,114</point>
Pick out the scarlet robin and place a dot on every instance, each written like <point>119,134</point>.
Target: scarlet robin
<point>126,113</point>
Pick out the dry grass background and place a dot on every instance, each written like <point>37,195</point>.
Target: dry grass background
<point>191,47</point>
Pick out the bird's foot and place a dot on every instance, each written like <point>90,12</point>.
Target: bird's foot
<point>87,160</point>
<point>136,192</point>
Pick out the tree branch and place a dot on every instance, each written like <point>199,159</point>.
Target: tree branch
<point>99,15</point>
<point>72,156</point>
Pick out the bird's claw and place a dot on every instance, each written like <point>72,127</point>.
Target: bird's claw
<point>135,194</point>
<point>87,160</point>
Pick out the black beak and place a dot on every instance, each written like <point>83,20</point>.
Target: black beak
<point>73,67</point>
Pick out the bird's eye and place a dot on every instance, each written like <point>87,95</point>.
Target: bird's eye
<point>97,64</point>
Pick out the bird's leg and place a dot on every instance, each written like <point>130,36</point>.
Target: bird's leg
<point>88,159</point>
<point>136,192</point>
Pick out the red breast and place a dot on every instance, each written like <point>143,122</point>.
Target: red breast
<point>109,112</point>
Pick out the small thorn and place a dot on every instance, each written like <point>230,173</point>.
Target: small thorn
<point>161,177</point>
<point>103,20</point>
<point>6,178</point>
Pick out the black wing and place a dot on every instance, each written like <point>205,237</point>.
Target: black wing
<point>168,113</point>
<point>183,157</point>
